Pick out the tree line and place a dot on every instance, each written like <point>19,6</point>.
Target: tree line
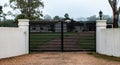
<point>32,9</point>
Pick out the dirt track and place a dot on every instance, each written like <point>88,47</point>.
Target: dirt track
<point>57,58</point>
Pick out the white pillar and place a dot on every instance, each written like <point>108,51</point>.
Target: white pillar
<point>24,24</point>
<point>100,24</point>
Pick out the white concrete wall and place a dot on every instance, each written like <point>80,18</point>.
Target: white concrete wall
<point>14,41</point>
<point>108,40</point>
<point>100,24</point>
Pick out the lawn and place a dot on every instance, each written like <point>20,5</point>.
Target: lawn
<point>42,38</point>
<point>87,42</point>
<point>37,39</point>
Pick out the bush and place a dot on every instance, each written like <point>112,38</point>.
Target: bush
<point>8,23</point>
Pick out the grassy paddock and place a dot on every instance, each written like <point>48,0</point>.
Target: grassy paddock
<point>44,37</point>
<point>87,42</point>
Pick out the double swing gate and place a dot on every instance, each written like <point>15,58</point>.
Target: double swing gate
<point>53,36</point>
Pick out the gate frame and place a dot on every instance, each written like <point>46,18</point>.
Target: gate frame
<point>62,40</point>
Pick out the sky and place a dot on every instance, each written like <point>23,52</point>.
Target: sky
<point>75,8</point>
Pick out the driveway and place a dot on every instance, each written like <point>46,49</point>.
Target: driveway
<point>57,58</point>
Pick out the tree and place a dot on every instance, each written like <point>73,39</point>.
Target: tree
<point>116,11</point>
<point>0,9</point>
<point>66,16</point>
<point>56,18</point>
<point>92,18</point>
<point>30,9</point>
<point>108,18</point>
<point>8,23</point>
<point>81,19</point>
<point>47,17</point>
<point>2,14</point>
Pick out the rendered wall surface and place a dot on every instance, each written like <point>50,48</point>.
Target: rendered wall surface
<point>14,41</point>
<point>108,40</point>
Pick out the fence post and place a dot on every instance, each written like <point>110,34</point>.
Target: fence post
<point>100,24</point>
<point>24,24</point>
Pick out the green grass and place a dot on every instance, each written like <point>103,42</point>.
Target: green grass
<point>87,42</point>
<point>43,38</point>
<point>89,37</point>
<point>110,58</point>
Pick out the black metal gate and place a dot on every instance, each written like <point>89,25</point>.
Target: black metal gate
<point>58,36</point>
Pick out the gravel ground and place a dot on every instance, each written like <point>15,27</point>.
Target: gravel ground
<point>57,58</point>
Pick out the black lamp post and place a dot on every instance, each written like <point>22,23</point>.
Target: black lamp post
<point>101,15</point>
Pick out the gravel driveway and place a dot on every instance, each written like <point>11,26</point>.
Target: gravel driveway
<point>57,58</point>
